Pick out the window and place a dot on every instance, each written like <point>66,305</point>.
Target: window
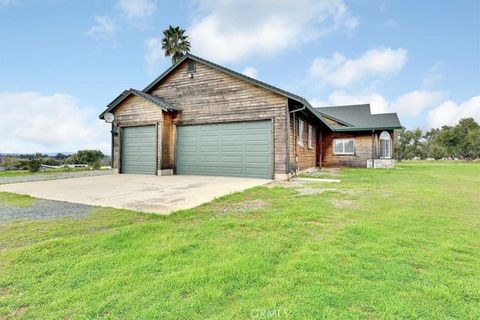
<point>310,137</point>
<point>385,145</point>
<point>343,146</point>
<point>301,124</point>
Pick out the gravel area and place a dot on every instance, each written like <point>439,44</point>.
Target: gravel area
<point>44,209</point>
<point>53,176</point>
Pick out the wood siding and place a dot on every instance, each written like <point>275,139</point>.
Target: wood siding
<point>168,141</point>
<point>333,123</point>
<point>363,149</point>
<point>212,96</point>
<point>135,111</point>
<point>305,156</point>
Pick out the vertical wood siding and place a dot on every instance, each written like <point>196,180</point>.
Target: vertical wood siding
<point>136,111</point>
<point>168,136</point>
<point>306,155</point>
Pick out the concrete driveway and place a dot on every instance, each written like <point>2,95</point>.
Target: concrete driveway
<point>162,194</point>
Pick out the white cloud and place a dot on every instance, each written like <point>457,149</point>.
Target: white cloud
<point>433,76</point>
<point>409,104</point>
<point>250,72</point>
<point>413,103</point>
<point>154,51</point>
<point>377,102</point>
<point>340,71</point>
<point>450,112</point>
<point>104,29</point>
<point>32,122</point>
<point>135,9</point>
<point>230,30</point>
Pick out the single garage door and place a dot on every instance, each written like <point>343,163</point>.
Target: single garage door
<point>242,149</point>
<point>138,149</point>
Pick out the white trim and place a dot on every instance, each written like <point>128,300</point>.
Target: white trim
<point>386,138</point>
<point>343,143</point>
<point>301,129</point>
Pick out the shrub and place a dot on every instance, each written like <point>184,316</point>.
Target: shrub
<point>97,164</point>
<point>34,165</point>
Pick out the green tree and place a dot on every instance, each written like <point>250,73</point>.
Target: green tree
<point>473,140</point>
<point>417,147</point>
<point>465,137</point>
<point>408,144</point>
<point>175,43</point>
<point>11,163</point>
<point>61,156</point>
<point>90,157</point>
<point>34,165</point>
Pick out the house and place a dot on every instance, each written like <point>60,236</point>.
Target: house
<point>201,118</point>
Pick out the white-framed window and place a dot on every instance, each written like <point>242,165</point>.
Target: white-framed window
<point>310,137</point>
<point>343,146</point>
<point>385,145</point>
<point>301,127</point>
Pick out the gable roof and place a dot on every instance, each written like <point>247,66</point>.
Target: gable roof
<point>359,117</point>
<point>256,82</point>
<point>159,102</point>
<point>353,117</point>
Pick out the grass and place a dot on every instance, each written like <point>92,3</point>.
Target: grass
<point>15,173</point>
<point>400,243</point>
<point>16,200</point>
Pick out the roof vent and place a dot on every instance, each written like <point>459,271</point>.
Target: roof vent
<point>191,67</point>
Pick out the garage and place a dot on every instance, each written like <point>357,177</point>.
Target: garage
<point>242,149</point>
<point>139,150</point>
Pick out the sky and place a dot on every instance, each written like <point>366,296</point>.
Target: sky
<point>62,61</point>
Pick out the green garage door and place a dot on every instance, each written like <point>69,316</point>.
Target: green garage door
<point>138,149</point>
<point>242,149</point>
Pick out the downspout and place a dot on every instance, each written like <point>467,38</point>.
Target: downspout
<point>295,137</point>
<point>113,140</point>
<point>321,147</point>
<point>373,149</point>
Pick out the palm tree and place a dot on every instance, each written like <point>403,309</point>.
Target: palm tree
<point>175,43</point>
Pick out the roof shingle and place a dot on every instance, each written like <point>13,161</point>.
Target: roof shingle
<point>359,117</point>
<point>159,102</point>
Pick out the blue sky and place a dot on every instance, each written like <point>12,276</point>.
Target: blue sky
<point>62,62</point>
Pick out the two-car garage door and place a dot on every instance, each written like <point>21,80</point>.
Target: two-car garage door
<point>241,149</point>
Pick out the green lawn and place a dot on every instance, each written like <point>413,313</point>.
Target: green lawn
<point>400,243</point>
<point>15,173</point>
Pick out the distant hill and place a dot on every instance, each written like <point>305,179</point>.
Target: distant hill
<point>50,154</point>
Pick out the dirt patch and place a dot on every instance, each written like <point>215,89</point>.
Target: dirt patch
<point>286,184</point>
<point>20,311</point>
<point>308,187</point>
<point>316,223</point>
<point>240,207</point>
<point>322,173</point>
<point>4,293</point>
<point>342,204</point>
<point>306,191</point>
<point>311,190</point>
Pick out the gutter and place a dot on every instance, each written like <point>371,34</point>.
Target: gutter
<point>295,138</point>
